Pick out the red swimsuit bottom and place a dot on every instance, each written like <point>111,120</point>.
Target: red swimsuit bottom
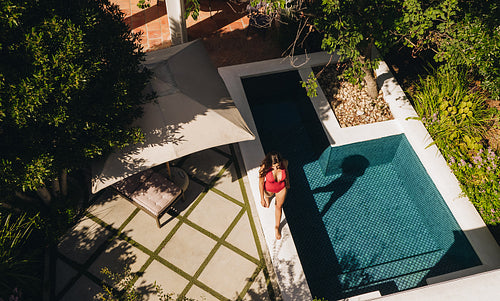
<point>272,185</point>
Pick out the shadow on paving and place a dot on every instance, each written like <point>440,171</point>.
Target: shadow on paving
<point>89,248</point>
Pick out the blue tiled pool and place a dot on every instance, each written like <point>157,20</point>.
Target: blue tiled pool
<point>363,216</point>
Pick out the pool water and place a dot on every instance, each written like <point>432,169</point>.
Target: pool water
<point>363,216</point>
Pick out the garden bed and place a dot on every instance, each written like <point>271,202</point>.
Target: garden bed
<point>350,102</point>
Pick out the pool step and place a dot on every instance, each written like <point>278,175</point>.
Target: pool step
<point>403,274</point>
<point>363,297</point>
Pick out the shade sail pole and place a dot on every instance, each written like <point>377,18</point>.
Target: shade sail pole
<point>168,169</point>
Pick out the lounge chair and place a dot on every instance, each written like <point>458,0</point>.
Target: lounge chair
<point>150,191</point>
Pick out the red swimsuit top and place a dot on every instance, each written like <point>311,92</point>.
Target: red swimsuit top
<point>272,185</point>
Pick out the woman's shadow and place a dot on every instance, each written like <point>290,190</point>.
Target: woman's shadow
<point>352,167</point>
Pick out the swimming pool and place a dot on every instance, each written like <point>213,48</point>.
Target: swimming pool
<point>363,216</point>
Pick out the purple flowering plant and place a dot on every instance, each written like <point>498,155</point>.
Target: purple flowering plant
<point>458,119</point>
<point>480,180</point>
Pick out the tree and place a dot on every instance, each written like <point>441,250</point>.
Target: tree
<point>464,35</point>
<point>71,84</point>
<point>352,28</point>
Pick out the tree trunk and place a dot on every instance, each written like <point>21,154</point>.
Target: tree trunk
<point>26,197</point>
<point>56,187</point>
<point>45,195</point>
<point>64,182</point>
<point>366,66</point>
<point>371,83</point>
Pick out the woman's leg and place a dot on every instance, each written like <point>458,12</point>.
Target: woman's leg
<point>267,197</point>
<point>280,200</point>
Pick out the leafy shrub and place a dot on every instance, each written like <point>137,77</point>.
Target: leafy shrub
<point>462,34</point>
<point>457,119</point>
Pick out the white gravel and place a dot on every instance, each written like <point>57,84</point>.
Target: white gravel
<point>350,103</point>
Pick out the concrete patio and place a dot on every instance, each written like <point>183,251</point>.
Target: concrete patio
<point>209,248</point>
<point>212,247</point>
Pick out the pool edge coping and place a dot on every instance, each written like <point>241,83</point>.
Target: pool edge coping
<point>284,256</point>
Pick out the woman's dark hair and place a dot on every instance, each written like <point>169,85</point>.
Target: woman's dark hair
<point>270,159</point>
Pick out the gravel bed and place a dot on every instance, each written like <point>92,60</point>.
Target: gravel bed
<point>350,103</point>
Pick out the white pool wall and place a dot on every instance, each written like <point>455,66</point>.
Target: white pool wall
<point>291,278</point>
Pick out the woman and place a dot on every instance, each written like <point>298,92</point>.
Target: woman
<point>274,181</point>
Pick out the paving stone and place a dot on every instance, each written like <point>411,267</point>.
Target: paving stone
<point>214,207</point>
<point>204,165</point>
<point>168,280</point>
<point>227,273</point>
<point>241,236</point>
<point>63,274</point>
<point>83,240</point>
<point>192,193</point>
<point>113,209</point>
<point>258,289</point>
<point>142,228</point>
<point>197,293</point>
<point>83,289</point>
<point>229,184</point>
<point>117,257</point>
<point>187,249</point>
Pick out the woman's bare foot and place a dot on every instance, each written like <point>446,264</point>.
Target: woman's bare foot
<point>277,232</point>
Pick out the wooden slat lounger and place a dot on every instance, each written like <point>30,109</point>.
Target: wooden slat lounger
<point>150,191</point>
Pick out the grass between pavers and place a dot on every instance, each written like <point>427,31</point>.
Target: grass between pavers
<point>82,269</point>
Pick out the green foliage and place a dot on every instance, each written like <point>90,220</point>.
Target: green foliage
<point>120,287</point>
<point>71,84</point>
<point>480,179</point>
<point>457,119</point>
<point>311,85</point>
<point>142,4</point>
<point>23,239</point>
<point>192,7</point>
<point>351,28</point>
<point>464,34</point>
<point>15,260</point>
<point>58,219</point>
<point>270,7</point>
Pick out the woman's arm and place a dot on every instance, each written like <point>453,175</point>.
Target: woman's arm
<point>261,188</point>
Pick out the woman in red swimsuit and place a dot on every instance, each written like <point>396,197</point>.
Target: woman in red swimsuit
<point>274,181</point>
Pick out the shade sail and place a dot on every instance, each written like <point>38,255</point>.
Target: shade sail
<point>193,111</point>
